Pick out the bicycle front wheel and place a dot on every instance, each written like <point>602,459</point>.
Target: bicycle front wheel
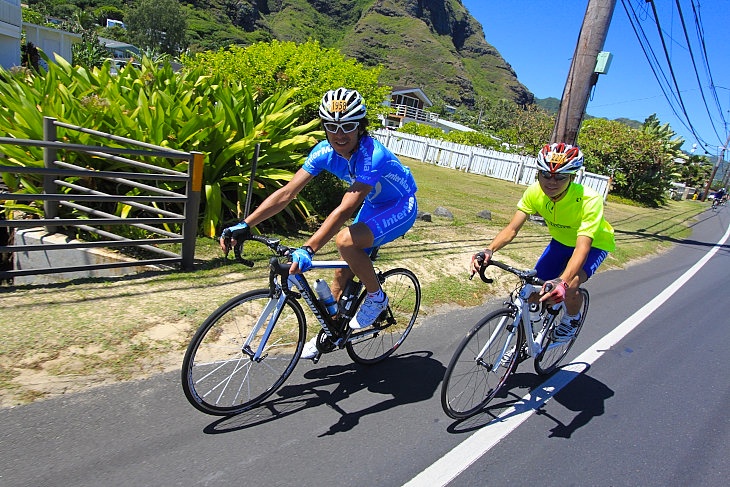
<point>393,326</point>
<point>220,375</point>
<point>476,372</point>
<point>553,352</point>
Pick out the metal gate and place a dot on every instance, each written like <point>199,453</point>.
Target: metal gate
<point>72,201</point>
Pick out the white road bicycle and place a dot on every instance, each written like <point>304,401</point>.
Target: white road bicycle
<point>492,349</point>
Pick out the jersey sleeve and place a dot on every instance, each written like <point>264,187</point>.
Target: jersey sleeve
<point>527,203</point>
<point>317,158</point>
<point>592,216</point>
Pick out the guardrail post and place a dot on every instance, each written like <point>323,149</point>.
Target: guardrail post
<point>192,207</point>
<point>50,154</point>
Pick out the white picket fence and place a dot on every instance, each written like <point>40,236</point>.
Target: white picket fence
<point>510,167</point>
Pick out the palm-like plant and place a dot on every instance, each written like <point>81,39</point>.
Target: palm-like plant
<point>190,111</point>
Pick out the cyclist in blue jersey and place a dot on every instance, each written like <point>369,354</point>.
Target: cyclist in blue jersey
<point>380,185</point>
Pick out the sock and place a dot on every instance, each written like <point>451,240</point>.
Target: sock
<point>377,296</point>
<point>568,318</point>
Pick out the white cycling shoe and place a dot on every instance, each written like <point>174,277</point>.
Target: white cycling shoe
<point>310,349</point>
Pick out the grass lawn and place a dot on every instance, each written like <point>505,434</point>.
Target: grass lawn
<point>65,337</point>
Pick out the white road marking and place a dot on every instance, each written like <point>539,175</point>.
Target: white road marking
<point>470,450</point>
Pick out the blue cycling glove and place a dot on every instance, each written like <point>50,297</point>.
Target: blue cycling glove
<point>303,257</point>
<point>239,232</point>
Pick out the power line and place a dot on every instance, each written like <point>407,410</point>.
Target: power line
<point>694,66</point>
<point>706,62</point>
<point>654,64</point>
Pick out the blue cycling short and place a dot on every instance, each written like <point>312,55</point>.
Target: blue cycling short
<point>553,260</point>
<point>388,222</point>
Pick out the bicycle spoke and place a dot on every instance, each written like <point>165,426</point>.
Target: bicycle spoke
<point>475,374</point>
<point>219,377</point>
<point>392,328</point>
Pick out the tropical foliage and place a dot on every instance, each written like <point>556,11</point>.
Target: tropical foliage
<point>637,161</point>
<point>192,111</point>
<point>311,68</point>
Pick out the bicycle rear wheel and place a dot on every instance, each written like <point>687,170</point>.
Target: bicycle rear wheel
<point>553,352</point>
<point>474,377</point>
<point>219,377</point>
<point>394,324</point>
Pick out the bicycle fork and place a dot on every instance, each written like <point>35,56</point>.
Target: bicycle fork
<point>269,317</point>
<point>494,366</point>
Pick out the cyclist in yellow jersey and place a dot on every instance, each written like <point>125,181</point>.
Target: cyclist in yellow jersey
<point>581,236</point>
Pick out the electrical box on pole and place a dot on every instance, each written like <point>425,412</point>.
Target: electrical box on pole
<point>584,70</point>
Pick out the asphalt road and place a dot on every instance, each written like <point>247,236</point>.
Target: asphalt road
<point>649,411</point>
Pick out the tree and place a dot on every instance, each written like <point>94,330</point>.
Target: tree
<point>641,167</point>
<point>695,172</point>
<point>663,133</point>
<point>268,67</point>
<point>89,52</point>
<point>158,24</point>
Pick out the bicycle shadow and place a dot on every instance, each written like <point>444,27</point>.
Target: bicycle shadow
<point>582,394</point>
<point>330,385</point>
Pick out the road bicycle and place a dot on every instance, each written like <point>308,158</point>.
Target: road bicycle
<point>718,202</point>
<point>247,348</point>
<point>492,349</point>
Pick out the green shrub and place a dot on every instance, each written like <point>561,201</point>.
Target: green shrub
<point>191,111</point>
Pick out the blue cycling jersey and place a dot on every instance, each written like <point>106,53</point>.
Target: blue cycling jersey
<point>371,164</point>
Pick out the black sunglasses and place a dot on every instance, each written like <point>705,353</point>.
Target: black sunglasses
<point>550,175</point>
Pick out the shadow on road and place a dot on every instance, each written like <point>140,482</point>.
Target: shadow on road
<point>401,379</point>
<point>583,395</point>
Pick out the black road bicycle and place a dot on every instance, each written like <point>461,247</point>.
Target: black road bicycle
<point>247,348</point>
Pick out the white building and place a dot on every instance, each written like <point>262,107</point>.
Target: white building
<point>50,41</point>
<point>11,22</point>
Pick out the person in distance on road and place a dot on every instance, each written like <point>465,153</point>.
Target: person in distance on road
<point>581,236</point>
<point>378,181</point>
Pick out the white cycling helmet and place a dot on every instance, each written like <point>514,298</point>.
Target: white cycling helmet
<point>560,158</point>
<point>342,105</point>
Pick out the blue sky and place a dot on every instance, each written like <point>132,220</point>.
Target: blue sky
<point>538,38</point>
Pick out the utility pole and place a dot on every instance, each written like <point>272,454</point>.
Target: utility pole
<point>720,158</point>
<point>582,76</point>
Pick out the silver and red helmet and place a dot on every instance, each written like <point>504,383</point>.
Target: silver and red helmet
<point>560,158</point>
<point>342,105</point>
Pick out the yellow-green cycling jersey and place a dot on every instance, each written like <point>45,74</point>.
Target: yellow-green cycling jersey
<point>579,212</point>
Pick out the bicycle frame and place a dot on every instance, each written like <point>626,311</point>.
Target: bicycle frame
<point>520,303</point>
<point>279,292</point>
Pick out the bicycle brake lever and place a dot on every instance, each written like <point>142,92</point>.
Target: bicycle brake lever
<point>227,245</point>
<point>480,260</point>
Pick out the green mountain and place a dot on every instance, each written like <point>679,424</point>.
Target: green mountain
<point>432,44</point>
<point>552,105</point>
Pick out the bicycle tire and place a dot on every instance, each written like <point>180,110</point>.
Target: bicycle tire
<point>471,381</point>
<point>394,325</point>
<point>218,377</point>
<point>548,360</point>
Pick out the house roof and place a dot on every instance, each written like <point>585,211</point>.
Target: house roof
<point>413,91</point>
<point>112,44</point>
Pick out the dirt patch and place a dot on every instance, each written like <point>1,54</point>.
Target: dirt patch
<point>69,337</point>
